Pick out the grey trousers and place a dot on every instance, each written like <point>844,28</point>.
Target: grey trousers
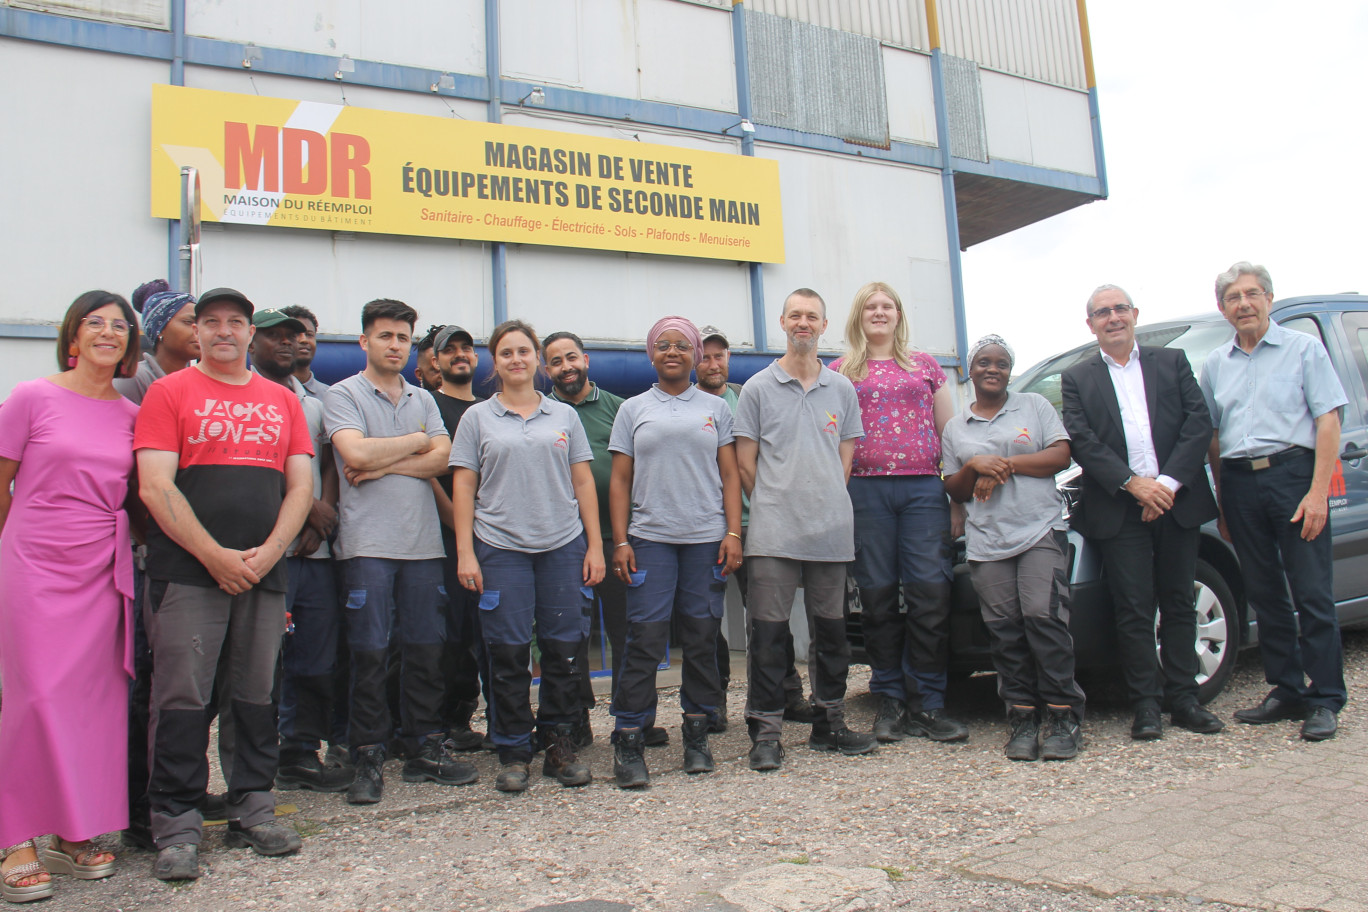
<point>774,582</point>
<point>188,627</point>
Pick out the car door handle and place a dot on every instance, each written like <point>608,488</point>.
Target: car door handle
<point>1354,452</point>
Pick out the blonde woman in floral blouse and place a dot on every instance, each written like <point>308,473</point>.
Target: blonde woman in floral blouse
<point>902,518</point>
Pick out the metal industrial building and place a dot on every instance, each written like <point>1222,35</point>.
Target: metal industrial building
<point>903,131</point>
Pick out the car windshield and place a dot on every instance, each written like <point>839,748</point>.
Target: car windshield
<point>1195,340</point>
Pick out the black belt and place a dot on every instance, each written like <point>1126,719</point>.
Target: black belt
<point>1259,463</point>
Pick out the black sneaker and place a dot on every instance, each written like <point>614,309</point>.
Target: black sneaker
<point>766,755</point>
<point>583,732</point>
<point>1062,735</point>
<point>698,757</point>
<point>369,784</point>
<point>560,762</point>
<point>629,765</point>
<point>655,736</point>
<point>177,862</point>
<point>269,838</point>
<point>512,777</point>
<point>936,725</point>
<point>436,762</point>
<point>797,709</point>
<point>826,738</point>
<point>1024,742</point>
<point>305,771</point>
<point>890,722</point>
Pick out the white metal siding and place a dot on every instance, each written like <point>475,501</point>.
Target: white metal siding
<point>1042,125</point>
<point>1039,39</point>
<point>152,13</point>
<point>897,22</point>
<point>848,222</point>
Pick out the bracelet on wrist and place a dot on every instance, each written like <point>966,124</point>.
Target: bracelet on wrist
<point>734,535</point>
<point>620,545</point>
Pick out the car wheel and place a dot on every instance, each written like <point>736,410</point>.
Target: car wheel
<point>1218,631</point>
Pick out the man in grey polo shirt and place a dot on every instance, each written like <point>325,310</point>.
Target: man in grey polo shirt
<point>389,440</point>
<point>1275,401</point>
<point>796,426</point>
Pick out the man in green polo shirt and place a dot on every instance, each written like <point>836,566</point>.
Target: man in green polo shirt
<point>568,366</point>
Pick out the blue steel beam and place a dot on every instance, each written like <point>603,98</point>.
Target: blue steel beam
<point>177,78</point>
<point>759,333</point>
<point>498,253</point>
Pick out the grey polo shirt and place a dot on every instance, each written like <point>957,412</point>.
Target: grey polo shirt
<point>394,516</point>
<point>676,485</point>
<point>1268,400</point>
<point>799,508</point>
<point>525,500</point>
<point>1019,513</point>
<point>315,387</point>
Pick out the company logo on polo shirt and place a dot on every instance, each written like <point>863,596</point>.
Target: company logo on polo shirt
<point>562,441</point>
<point>831,426</point>
<point>1023,435</point>
<point>710,425</point>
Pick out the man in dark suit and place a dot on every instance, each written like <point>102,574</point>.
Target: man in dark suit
<point>1140,429</point>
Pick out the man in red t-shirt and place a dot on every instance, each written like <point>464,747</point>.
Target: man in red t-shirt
<point>223,461</point>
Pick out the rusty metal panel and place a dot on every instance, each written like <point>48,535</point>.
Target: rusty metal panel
<point>901,23</point>
<point>1038,39</point>
<point>148,13</point>
<point>818,80</point>
<point>964,103</point>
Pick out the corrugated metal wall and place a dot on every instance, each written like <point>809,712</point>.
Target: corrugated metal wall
<point>1039,39</point>
<point>897,22</point>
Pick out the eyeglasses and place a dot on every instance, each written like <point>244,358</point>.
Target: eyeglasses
<point>663,346</point>
<point>1105,312</point>
<point>1235,297</point>
<point>97,324</point>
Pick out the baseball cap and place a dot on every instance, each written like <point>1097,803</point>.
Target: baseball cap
<point>445,334</point>
<point>712,332</point>
<point>224,294</point>
<point>264,319</point>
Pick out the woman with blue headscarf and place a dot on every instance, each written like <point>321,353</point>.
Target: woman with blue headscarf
<point>675,475</point>
<point>168,319</point>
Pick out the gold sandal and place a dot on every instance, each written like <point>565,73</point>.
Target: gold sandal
<point>9,883</point>
<point>77,861</point>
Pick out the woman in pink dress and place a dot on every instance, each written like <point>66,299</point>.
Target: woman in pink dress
<point>66,583</point>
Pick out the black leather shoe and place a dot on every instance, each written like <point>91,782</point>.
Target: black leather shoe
<point>1024,741</point>
<point>1320,725</point>
<point>798,709</point>
<point>1196,719</point>
<point>826,738</point>
<point>766,755</point>
<point>369,783</point>
<point>303,770</point>
<point>1148,725</point>
<point>655,736</point>
<point>436,761</point>
<point>1272,709</point>
<point>936,725</point>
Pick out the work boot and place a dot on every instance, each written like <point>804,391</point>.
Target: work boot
<point>766,755</point>
<point>629,765</point>
<point>512,777</point>
<point>655,736</point>
<point>338,757</point>
<point>177,862</point>
<point>583,732</point>
<point>269,838</point>
<point>560,762</point>
<point>369,784</point>
<point>303,770</point>
<point>697,756</point>
<point>1023,743</point>
<point>435,761</point>
<point>718,725</point>
<point>826,738</point>
<point>936,725</point>
<point>798,708</point>
<point>461,736</point>
<point>1062,735</point>
<point>890,722</point>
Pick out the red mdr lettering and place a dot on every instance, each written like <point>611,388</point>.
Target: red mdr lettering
<point>273,159</point>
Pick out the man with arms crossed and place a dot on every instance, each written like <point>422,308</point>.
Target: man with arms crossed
<point>223,464</point>
<point>1276,403</point>
<point>796,426</point>
<point>1140,429</point>
<point>389,440</point>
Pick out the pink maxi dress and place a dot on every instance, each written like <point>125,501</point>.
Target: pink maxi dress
<point>66,632</point>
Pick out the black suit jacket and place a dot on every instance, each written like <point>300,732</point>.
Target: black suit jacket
<point>1179,423</point>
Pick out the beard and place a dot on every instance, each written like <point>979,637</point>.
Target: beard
<point>713,381</point>
<point>273,368</point>
<point>574,387</point>
<point>459,379</point>
<point>803,346</point>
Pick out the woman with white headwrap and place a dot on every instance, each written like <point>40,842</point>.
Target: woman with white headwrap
<point>1000,458</point>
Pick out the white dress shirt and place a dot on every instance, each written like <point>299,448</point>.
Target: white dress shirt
<point>1129,383</point>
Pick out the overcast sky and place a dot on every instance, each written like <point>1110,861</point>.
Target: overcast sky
<point>1232,131</point>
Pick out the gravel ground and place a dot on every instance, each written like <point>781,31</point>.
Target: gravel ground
<point>881,831</point>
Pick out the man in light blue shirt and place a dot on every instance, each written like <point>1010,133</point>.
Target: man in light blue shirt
<point>1275,402</point>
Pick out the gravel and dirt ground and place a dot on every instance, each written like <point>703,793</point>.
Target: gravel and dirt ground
<point>895,829</point>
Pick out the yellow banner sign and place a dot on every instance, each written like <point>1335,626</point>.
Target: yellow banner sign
<point>299,164</point>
